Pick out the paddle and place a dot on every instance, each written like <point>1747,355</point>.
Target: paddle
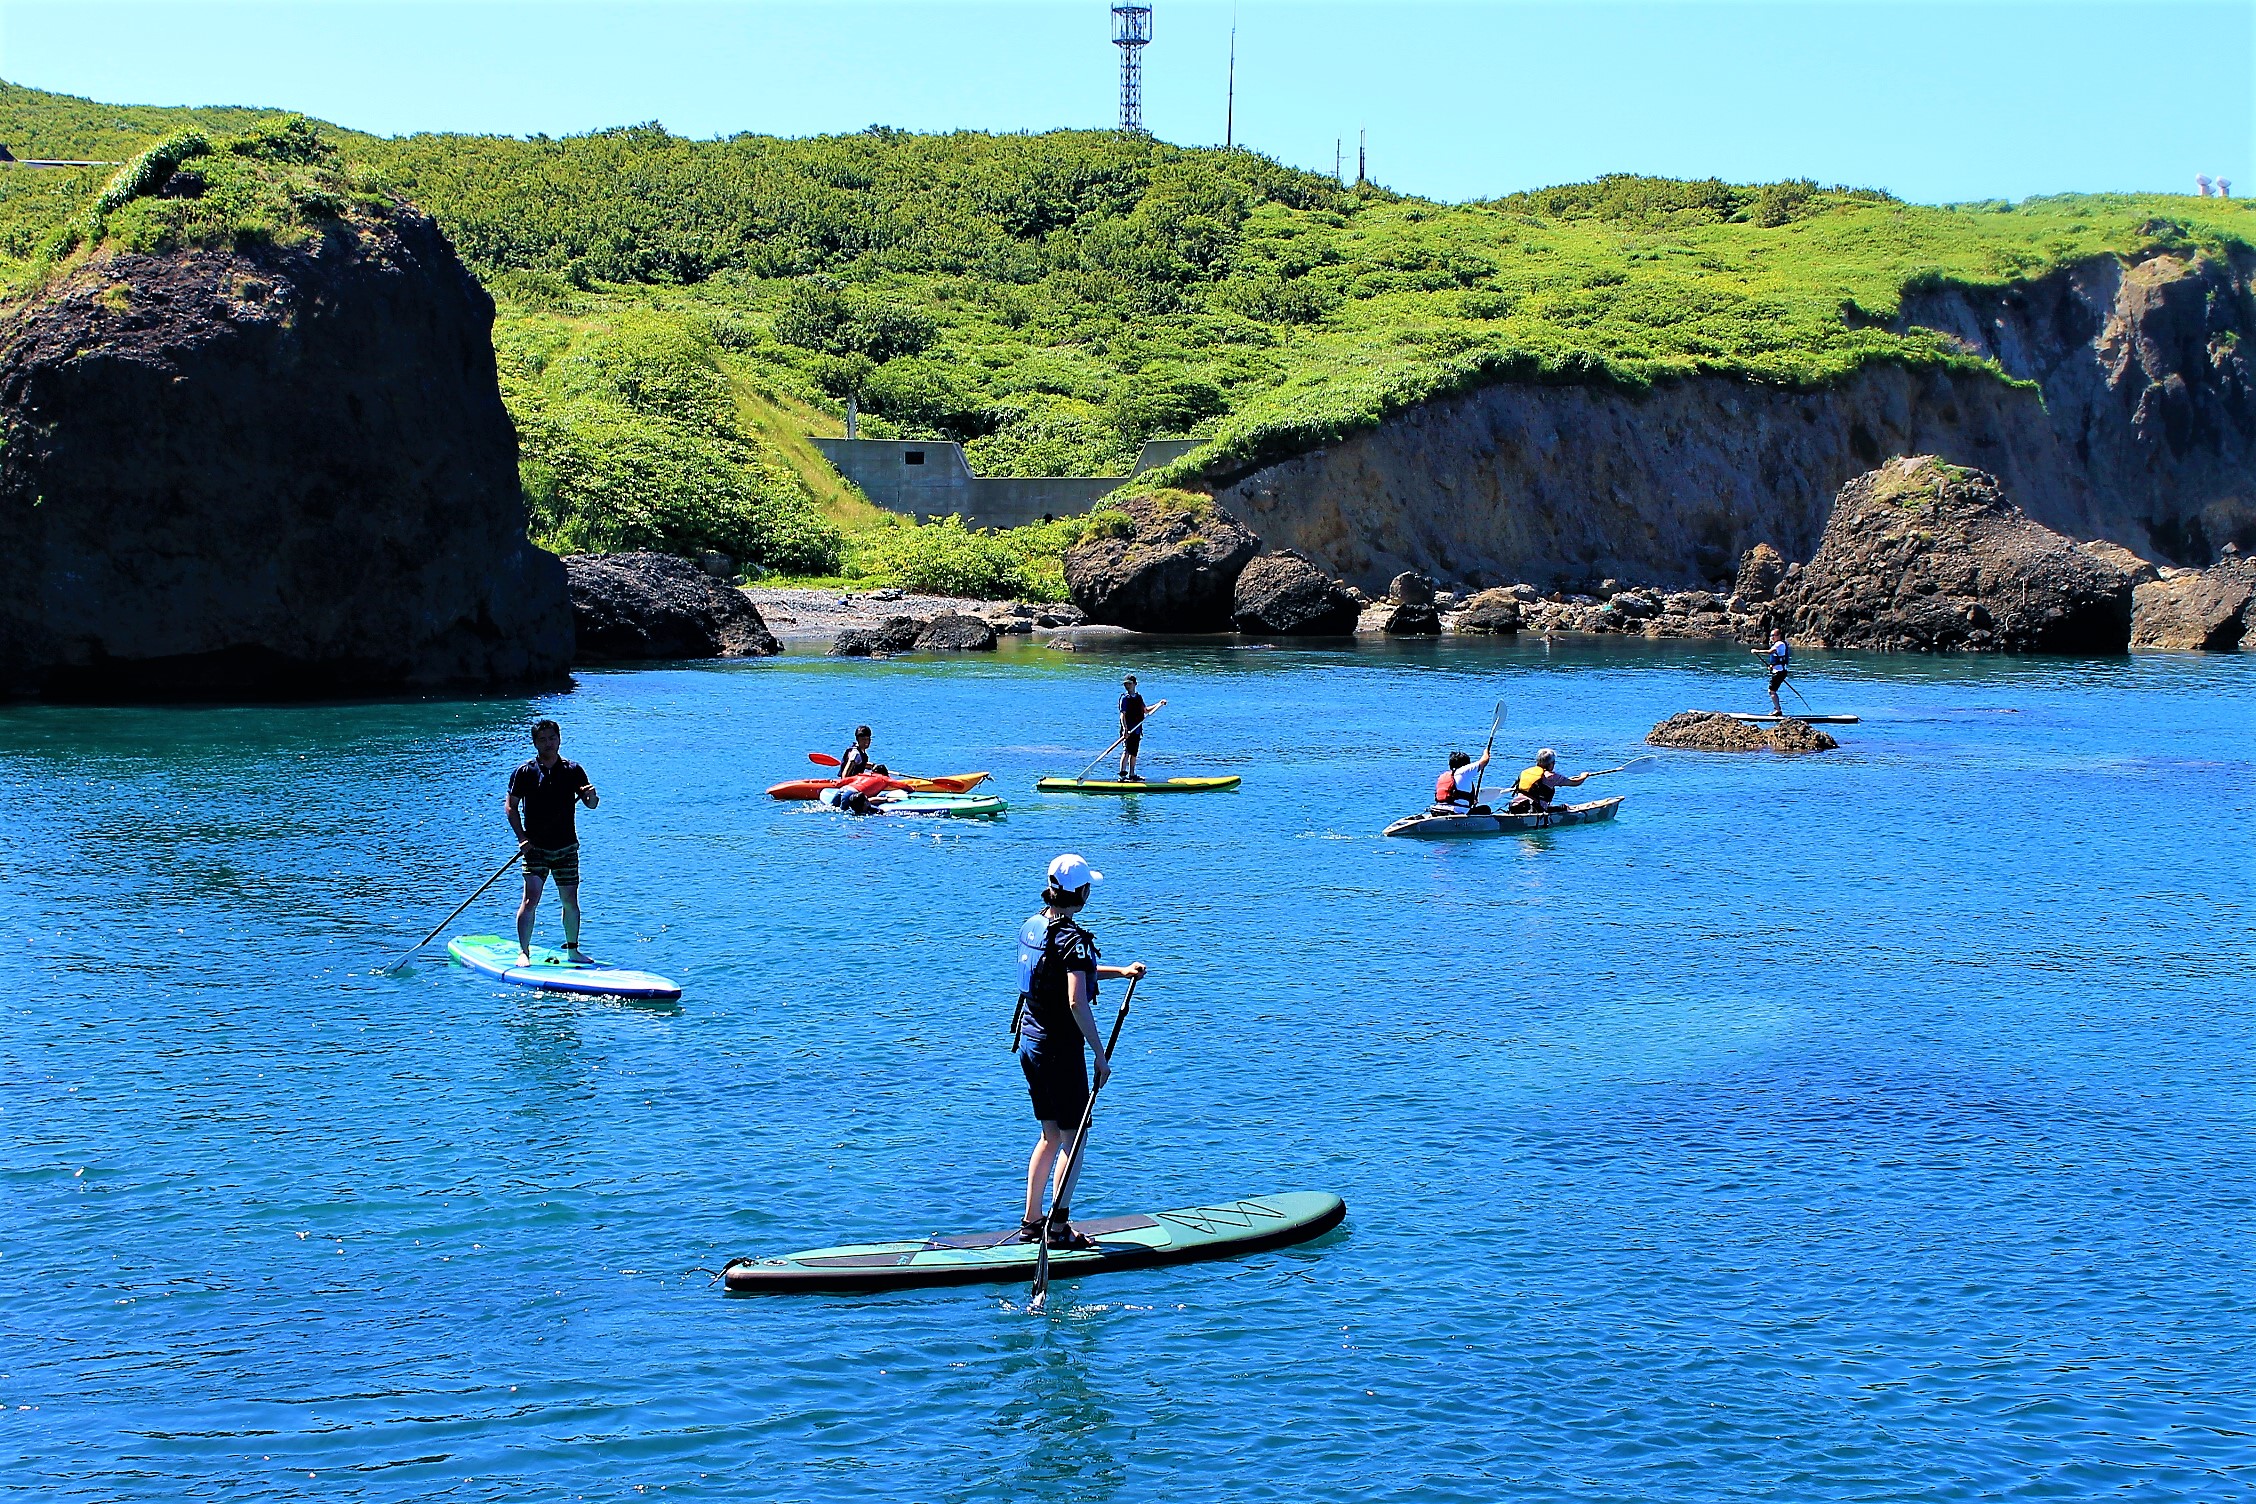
<point>1073,1160</point>
<point>1633,762</point>
<point>823,759</point>
<point>1116,741</point>
<point>458,908</point>
<point>1494,721</point>
<point>1797,689</point>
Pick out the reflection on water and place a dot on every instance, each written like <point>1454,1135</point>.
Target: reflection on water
<point>1866,1124</point>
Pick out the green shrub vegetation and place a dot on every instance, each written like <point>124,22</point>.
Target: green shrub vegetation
<point>1053,300</point>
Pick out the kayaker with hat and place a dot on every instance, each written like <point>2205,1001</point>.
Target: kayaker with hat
<point>1453,790</point>
<point>1057,993</point>
<point>1132,712</point>
<point>1536,787</point>
<point>1781,657</point>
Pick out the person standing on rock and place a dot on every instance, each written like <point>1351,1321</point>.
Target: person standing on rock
<point>1535,789</point>
<point>1057,994</point>
<point>1780,656</point>
<point>856,760</point>
<point>1132,713</point>
<point>544,795</point>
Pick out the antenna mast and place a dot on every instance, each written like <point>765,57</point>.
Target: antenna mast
<point>1131,33</point>
<point>1230,98</point>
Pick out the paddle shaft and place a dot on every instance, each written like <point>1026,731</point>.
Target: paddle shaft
<point>1633,762</point>
<point>1481,777</point>
<point>1797,689</point>
<point>1149,712</point>
<point>1073,1155</point>
<point>458,908</point>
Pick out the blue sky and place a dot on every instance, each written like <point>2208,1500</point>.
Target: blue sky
<point>1461,99</point>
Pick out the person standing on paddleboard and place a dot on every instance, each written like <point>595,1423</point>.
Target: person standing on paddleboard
<point>1780,656</point>
<point>1132,712</point>
<point>1057,982</point>
<point>544,794</point>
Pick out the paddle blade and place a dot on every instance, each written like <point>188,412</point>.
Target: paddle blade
<point>822,759</point>
<point>1041,1275</point>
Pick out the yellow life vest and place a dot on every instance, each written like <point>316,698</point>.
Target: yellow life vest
<point>1530,783</point>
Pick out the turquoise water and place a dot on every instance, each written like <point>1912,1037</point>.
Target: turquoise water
<point>1870,1125</point>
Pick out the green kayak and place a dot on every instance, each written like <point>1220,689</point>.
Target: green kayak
<point>1177,1237</point>
<point>941,804</point>
<point>1134,785</point>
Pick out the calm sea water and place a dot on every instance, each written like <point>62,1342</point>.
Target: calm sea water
<point>1870,1125</point>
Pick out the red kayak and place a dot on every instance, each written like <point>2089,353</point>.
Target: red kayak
<point>953,783</point>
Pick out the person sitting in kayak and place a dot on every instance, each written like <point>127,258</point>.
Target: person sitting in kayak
<point>1132,710</point>
<point>1780,656</point>
<point>856,759</point>
<point>1535,789</point>
<point>543,796</point>
<point>1057,980</point>
<point>858,795</point>
<point>1453,790</point>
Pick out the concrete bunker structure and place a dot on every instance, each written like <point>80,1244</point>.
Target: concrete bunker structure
<point>929,478</point>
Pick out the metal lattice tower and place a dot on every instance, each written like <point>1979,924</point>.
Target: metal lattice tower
<point>1131,33</point>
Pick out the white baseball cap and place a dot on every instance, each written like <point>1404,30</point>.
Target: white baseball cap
<point>1069,872</point>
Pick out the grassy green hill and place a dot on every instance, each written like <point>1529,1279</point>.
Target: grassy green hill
<point>1052,300</point>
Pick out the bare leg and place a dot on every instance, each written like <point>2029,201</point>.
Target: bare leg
<point>1064,1196</point>
<point>1040,1166</point>
<point>525,911</point>
<point>568,899</point>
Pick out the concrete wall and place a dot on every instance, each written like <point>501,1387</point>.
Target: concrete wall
<point>925,479</point>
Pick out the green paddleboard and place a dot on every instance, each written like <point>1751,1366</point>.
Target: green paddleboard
<point>1135,786</point>
<point>941,804</point>
<point>1192,1232</point>
<point>552,971</point>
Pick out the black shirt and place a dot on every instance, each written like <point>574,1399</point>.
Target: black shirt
<point>854,762</point>
<point>1049,1007</point>
<point>549,797</point>
<point>1131,711</point>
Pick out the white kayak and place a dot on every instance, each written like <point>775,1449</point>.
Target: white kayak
<point>1431,825</point>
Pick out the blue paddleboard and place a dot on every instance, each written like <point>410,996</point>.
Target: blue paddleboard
<point>551,972</point>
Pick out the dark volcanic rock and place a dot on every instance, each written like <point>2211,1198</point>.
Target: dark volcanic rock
<point>1928,557</point>
<point>1283,595</point>
<point>854,642</point>
<point>1761,569</point>
<point>1492,613</point>
<point>1411,588</point>
<point>1707,731</point>
<point>647,605</point>
<point>898,635</point>
<point>275,470</point>
<point>958,632</point>
<point>1799,736</point>
<point>2207,610</point>
<point>1412,620</point>
<point>1176,572</point>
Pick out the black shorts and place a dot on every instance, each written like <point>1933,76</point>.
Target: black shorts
<point>1777,677</point>
<point>1134,740</point>
<point>563,864</point>
<point>1058,1082</point>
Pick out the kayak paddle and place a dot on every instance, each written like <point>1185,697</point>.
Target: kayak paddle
<point>1633,762</point>
<point>1116,741</point>
<point>1797,689</point>
<point>1494,721</point>
<point>458,908</point>
<point>1073,1160</point>
<point>822,759</point>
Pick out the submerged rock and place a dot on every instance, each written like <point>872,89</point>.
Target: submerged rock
<point>1283,595</point>
<point>651,605</point>
<point>272,469</point>
<point>1923,556</point>
<point>2197,610</point>
<point>1175,572</point>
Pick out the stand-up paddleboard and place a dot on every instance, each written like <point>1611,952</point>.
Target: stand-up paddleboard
<point>551,972</point>
<point>1430,826</point>
<point>1134,785</point>
<point>1177,1237</point>
<point>1753,719</point>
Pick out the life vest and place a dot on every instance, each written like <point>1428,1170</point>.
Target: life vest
<point>1042,995</point>
<point>1447,792</point>
<point>1530,783</point>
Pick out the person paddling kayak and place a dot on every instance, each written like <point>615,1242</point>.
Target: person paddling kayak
<point>544,795</point>
<point>856,759</point>
<point>1536,787</point>
<point>1453,790</point>
<point>1057,993</point>
<point>1132,712</point>
<point>1780,657</point>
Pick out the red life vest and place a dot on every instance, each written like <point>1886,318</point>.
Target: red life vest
<point>1447,792</point>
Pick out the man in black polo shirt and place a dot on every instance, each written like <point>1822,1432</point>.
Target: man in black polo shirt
<point>543,795</point>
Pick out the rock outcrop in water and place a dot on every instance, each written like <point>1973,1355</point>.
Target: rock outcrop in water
<point>2207,610</point>
<point>1176,572</point>
<point>1283,595</point>
<point>2140,428</point>
<point>1712,731</point>
<point>650,605</point>
<point>1922,556</point>
<point>271,470</point>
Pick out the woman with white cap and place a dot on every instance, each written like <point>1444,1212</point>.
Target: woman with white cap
<point>1057,978</point>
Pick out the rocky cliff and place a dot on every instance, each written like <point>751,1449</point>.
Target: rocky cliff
<point>2137,424</point>
<point>267,469</point>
